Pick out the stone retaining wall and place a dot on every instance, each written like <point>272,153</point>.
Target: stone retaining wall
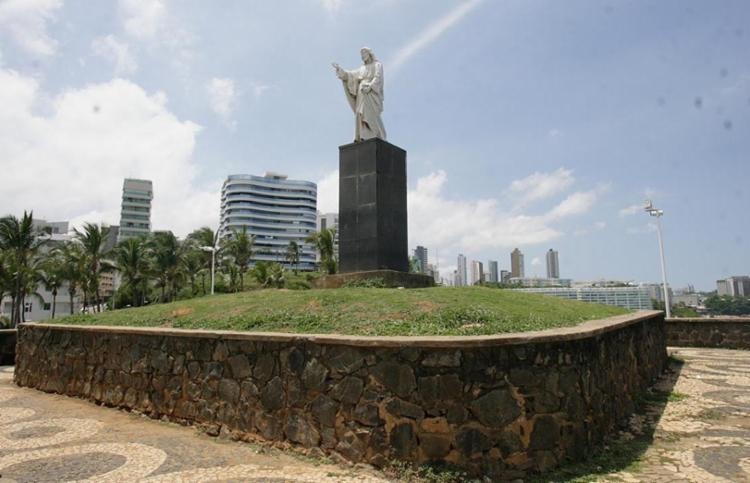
<point>725,332</point>
<point>7,347</point>
<point>504,406</point>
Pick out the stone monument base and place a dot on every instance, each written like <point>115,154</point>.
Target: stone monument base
<point>390,278</point>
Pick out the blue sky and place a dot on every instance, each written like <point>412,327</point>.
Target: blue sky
<point>534,124</point>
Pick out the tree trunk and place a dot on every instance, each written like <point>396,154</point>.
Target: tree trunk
<point>13,310</point>
<point>54,302</point>
<point>72,294</point>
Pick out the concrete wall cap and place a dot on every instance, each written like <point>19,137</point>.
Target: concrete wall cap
<point>591,328</point>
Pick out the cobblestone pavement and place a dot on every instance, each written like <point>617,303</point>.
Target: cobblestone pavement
<point>46,437</point>
<point>703,435</point>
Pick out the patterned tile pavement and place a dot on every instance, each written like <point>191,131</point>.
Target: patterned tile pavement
<point>46,437</point>
<point>703,434</point>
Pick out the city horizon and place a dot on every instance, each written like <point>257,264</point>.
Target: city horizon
<point>554,138</point>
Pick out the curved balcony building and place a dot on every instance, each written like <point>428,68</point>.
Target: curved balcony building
<point>274,209</point>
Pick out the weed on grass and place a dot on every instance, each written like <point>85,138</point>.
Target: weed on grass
<point>408,473</point>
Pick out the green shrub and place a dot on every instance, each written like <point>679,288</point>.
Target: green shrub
<point>376,282</point>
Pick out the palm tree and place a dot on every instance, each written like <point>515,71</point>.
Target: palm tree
<point>51,276</point>
<point>131,260</point>
<point>292,254</point>
<point>240,247</point>
<point>72,269</point>
<point>166,255</point>
<point>204,237</point>
<point>324,242</point>
<point>192,264</point>
<point>19,240</point>
<point>93,238</point>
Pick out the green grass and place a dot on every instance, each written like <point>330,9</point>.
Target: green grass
<point>362,311</point>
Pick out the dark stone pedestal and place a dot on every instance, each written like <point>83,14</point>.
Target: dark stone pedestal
<point>388,278</point>
<point>372,207</point>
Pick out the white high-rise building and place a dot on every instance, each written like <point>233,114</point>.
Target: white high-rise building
<point>477,272</point>
<point>461,280</point>
<point>553,265</point>
<point>135,215</point>
<point>274,209</point>
<point>737,286</point>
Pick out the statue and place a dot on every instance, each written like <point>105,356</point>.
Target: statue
<point>364,91</point>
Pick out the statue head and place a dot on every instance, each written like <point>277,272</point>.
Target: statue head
<point>367,55</point>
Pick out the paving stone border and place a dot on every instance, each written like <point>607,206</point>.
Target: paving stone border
<point>724,332</point>
<point>504,406</point>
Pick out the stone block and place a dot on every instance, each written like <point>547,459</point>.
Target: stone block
<point>372,207</point>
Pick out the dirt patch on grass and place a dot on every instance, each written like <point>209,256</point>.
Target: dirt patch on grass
<point>182,311</point>
<point>314,304</point>
<point>427,306</point>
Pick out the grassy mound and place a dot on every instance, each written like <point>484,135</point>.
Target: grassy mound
<point>362,311</point>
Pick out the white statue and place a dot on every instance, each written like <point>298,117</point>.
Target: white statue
<point>364,91</point>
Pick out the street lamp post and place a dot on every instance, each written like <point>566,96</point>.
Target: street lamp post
<point>213,263</point>
<point>657,213</point>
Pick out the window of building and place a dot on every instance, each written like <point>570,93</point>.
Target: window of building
<point>47,306</point>
<point>27,307</point>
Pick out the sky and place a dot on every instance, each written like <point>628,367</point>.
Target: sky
<point>534,124</point>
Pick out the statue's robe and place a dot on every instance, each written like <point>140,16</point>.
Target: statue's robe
<point>367,106</point>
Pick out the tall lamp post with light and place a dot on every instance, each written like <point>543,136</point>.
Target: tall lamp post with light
<point>213,263</point>
<point>657,213</point>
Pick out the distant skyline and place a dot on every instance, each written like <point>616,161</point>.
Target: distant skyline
<point>527,123</point>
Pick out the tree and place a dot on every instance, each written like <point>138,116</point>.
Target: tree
<point>19,241</point>
<point>204,237</point>
<point>727,305</point>
<point>93,239</point>
<point>269,274</point>
<point>51,276</point>
<point>72,268</point>
<point>414,265</point>
<point>239,246</point>
<point>131,261</point>
<point>324,243</point>
<point>192,264</point>
<point>293,252</point>
<point>166,252</point>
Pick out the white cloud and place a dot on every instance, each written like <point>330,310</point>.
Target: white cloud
<point>25,21</point>
<point>259,89</point>
<point>222,97</point>
<point>116,52</point>
<point>538,186</point>
<point>143,19</point>
<point>554,133</point>
<point>332,5</point>
<point>151,23</point>
<point>450,226</point>
<point>430,34</point>
<point>630,210</point>
<point>328,193</point>
<point>598,226</point>
<point>574,204</point>
<point>536,261</point>
<point>70,163</point>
